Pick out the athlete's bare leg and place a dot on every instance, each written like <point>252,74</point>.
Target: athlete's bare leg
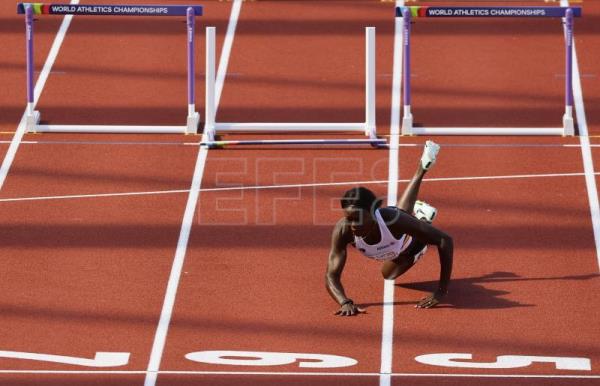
<point>409,197</point>
<point>407,201</point>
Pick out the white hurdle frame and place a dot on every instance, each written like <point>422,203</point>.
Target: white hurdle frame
<point>368,127</point>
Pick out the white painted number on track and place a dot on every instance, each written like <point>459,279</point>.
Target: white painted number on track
<point>260,358</point>
<point>504,361</point>
<point>102,359</point>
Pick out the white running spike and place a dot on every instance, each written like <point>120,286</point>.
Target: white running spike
<point>429,154</point>
<point>424,211</point>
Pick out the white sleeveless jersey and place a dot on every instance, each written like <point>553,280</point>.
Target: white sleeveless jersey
<point>388,247</point>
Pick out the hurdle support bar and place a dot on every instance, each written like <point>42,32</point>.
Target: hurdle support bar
<point>32,117</point>
<point>567,13</point>
<point>485,131</point>
<point>270,127</point>
<point>112,129</point>
<point>368,127</point>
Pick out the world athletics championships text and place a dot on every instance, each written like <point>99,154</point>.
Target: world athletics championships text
<point>94,9</point>
<point>486,12</point>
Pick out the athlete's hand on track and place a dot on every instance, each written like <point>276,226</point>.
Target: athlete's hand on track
<point>431,300</point>
<point>349,309</point>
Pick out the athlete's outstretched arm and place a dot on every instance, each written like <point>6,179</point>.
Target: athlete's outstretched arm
<point>428,234</point>
<point>335,266</point>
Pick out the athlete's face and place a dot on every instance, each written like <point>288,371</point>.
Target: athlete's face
<point>360,220</point>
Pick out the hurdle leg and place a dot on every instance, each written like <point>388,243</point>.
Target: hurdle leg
<point>32,117</point>
<point>193,118</point>
<point>568,124</point>
<point>407,118</point>
<point>209,114</point>
<point>370,92</point>
<point>407,121</point>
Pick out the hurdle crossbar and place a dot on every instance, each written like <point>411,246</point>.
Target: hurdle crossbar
<point>567,13</point>
<point>368,127</point>
<point>33,116</point>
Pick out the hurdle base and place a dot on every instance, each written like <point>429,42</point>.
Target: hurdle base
<point>271,127</point>
<point>209,131</point>
<point>31,121</point>
<point>269,142</point>
<point>568,126</point>
<point>371,131</point>
<point>559,131</point>
<point>192,123</point>
<point>111,129</point>
<point>407,125</point>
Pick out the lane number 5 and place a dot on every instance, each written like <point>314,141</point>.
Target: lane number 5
<point>503,361</point>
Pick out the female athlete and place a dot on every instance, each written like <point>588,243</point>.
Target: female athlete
<point>395,235</point>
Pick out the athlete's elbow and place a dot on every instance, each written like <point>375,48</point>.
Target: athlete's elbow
<point>330,278</point>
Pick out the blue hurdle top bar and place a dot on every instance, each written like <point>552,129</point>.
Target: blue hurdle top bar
<point>427,11</point>
<point>112,9</point>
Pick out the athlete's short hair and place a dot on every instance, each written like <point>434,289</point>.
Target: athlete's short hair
<point>360,197</point>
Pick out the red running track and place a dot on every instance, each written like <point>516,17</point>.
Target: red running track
<point>89,274</point>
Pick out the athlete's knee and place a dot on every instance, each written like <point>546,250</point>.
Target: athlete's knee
<point>392,271</point>
<point>389,275</point>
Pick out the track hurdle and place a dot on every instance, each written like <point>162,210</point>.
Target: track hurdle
<point>368,127</point>
<point>190,12</point>
<point>567,13</point>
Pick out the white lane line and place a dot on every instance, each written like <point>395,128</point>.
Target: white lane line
<point>169,302</point>
<point>588,163</point>
<point>392,193</point>
<point>526,376</point>
<point>310,374</point>
<point>100,195</point>
<point>586,152</point>
<point>387,333</point>
<point>160,336</point>
<point>289,186</point>
<point>236,8</point>
<point>387,324</point>
<point>39,86</point>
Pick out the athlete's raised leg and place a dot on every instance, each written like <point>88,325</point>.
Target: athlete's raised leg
<point>409,197</point>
